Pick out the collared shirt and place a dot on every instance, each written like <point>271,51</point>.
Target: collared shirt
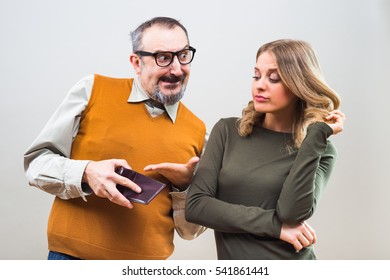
<point>47,161</point>
<point>139,95</point>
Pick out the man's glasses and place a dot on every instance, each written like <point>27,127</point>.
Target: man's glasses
<point>164,59</point>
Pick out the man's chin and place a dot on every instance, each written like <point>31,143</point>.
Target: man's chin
<point>169,95</point>
<point>171,91</point>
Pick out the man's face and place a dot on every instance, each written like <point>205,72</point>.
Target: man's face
<point>164,84</point>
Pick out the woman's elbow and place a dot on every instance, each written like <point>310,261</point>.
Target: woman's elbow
<point>190,211</point>
<point>196,209</point>
<point>292,217</point>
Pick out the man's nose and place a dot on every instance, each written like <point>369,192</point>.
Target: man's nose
<point>175,67</point>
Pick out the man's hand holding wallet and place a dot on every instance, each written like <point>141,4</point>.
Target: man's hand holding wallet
<point>103,178</point>
<point>150,187</point>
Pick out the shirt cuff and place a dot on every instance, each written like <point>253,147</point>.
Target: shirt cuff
<point>73,179</point>
<point>179,199</point>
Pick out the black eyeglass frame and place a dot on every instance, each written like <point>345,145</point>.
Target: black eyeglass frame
<point>143,53</point>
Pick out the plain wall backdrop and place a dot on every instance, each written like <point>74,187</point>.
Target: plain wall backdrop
<point>47,46</point>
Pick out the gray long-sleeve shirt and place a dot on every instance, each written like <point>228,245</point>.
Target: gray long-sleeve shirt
<point>47,161</point>
<point>246,187</point>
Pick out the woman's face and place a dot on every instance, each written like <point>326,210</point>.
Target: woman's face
<point>269,93</point>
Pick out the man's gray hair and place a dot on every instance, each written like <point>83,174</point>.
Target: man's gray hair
<point>169,23</point>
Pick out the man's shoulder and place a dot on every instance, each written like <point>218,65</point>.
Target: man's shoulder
<point>185,112</point>
<point>109,79</point>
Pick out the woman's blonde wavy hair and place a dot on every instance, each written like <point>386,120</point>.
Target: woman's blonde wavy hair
<point>300,72</point>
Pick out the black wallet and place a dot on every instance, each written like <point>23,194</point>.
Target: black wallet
<point>150,187</point>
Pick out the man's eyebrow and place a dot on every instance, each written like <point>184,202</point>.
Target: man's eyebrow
<point>185,47</point>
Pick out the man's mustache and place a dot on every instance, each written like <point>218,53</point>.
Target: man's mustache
<point>172,79</point>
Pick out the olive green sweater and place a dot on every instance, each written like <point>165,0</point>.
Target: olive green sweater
<point>246,187</point>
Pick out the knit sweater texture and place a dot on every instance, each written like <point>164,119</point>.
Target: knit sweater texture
<point>246,187</point>
<point>111,127</point>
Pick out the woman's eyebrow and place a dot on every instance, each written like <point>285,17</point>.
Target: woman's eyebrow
<point>268,70</point>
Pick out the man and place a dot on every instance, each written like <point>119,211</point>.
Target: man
<point>104,123</point>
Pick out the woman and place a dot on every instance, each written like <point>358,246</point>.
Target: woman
<point>262,175</point>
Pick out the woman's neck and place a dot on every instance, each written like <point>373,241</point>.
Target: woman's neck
<point>278,123</point>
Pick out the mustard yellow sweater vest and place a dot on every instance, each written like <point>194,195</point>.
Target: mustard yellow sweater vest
<point>111,127</point>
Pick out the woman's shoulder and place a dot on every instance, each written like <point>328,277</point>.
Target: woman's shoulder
<point>228,121</point>
<point>226,126</point>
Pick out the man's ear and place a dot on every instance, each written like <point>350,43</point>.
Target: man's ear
<point>135,60</point>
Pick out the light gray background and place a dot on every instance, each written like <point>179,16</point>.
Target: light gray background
<point>47,46</point>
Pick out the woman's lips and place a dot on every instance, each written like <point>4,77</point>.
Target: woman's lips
<point>261,98</point>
